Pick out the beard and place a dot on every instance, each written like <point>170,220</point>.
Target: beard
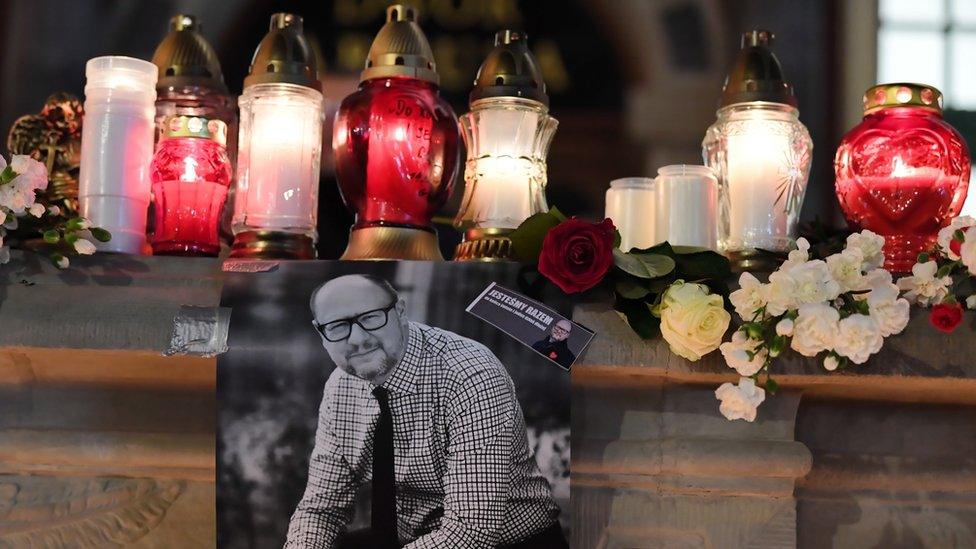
<point>369,367</point>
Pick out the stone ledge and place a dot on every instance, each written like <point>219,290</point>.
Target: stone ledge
<point>919,365</point>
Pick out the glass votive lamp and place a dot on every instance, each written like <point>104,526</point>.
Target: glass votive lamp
<point>687,206</point>
<point>631,203</point>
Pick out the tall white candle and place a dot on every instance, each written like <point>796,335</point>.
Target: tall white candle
<point>759,163</point>
<point>117,148</point>
<point>279,158</point>
<point>687,198</point>
<point>631,205</point>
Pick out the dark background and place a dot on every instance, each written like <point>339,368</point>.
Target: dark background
<point>269,384</point>
<point>634,83</point>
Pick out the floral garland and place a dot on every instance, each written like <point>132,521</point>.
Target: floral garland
<point>841,308</point>
<point>20,183</point>
<point>648,285</point>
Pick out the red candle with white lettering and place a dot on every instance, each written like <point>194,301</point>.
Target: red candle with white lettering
<point>903,172</point>
<point>396,146</point>
<point>191,174</point>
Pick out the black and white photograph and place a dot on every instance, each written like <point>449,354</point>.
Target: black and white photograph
<point>542,328</point>
<point>360,405</point>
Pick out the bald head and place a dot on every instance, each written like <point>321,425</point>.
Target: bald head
<point>370,354</point>
<point>561,330</point>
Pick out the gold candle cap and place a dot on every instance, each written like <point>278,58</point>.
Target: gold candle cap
<point>902,94</point>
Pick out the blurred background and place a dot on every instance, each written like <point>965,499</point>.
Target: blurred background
<point>633,83</point>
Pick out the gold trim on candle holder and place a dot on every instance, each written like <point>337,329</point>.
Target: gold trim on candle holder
<point>272,245</point>
<point>392,243</point>
<point>488,245</point>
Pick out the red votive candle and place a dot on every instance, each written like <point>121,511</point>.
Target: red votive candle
<point>191,174</point>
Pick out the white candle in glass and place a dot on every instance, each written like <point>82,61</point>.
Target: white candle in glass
<point>505,191</point>
<point>279,158</point>
<point>117,148</point>
<point>758,159</point>
<point>687,198</point>
<point>630,203</point>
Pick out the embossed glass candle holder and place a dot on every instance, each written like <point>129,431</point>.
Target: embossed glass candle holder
<point>396,146</point>
<point>507,135</point>
<point>760,152</point>
<point>903,172</point>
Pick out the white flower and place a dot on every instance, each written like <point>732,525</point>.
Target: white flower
<point>84,247</point>
<point>693,321</point>
<point>815,329</point>
<point>871,246</point>
<point>749,298</point>
<point>891,316</point>
<point>740,402</point>
<point>3,214</point>
<point>63,262</point>
<point>799,255</point>
<point>845,268</point>
<point>33,172</point>
<point>37,209</point>
<point>54,210</point>
<point>923,287</point>
<point>736,354</point>
<point>971,302</point>
<point>831,363</point>
<point>967,251</point>
<point>799,284</point>
<point>784,327</point>
<point>945,234</point>
<point>858,338</point>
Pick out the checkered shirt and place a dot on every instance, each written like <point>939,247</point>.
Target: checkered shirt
<point>465,477</point>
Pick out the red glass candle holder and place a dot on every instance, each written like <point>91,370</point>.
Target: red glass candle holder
<point>395,142</point>
<point>903,172</point>
<point>191,174</point>
<point>396,152</point>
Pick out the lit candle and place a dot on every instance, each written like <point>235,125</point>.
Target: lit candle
<point>504,191</point>
<point>631,203</point>
<point>116,149</point>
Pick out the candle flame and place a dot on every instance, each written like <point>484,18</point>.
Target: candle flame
<point>899,168</point>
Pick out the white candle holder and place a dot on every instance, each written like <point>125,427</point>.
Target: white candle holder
<point>632,205</point>
<point>687,212</point>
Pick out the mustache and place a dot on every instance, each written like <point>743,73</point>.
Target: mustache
<point>361,350</point>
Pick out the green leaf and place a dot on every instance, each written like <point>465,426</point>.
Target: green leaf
<point>771,386</point>
<point>630,289</point>
<point>52,236</point>
<point>922,258</point>
<point>703,265</point>
<point>689,249</point>
<point>643,265</point>
<point>71,238</point>
<point>554,211</point>
<point>639,317</point>
<point>101,234</point>
<point>944,271</point>
<point>527,238</point>
<point>616,238</point>
<point>7,175</point>
<point>74,224</point>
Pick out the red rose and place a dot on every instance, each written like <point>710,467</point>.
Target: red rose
<point>946,317</point>
<point>577,254</point>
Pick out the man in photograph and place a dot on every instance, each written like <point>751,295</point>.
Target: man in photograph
<point>431,418</point>
<point>555,345</point>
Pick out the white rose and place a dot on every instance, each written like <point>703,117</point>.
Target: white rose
<point>923,287</point>
<point>871,246</point>
<point>858,338</point>
<point>815,329</point>
<point>845,268</point>
<point>971,302</point>
<point>84,247</point>
<point>740,402</point>
<point>37,209</point>
<point>830,363</point>
<point>945,234</point>
<point>692,320</point>
<point>736,354</point>
<point>749,298</point>
<point>784,327</point>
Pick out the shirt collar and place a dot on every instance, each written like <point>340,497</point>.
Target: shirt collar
<point>403,378</point>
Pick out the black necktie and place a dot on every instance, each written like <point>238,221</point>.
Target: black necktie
<point>384,482</point>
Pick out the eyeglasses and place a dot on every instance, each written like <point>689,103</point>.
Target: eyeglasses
<point>559,329</point>
<point>338,330</point>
